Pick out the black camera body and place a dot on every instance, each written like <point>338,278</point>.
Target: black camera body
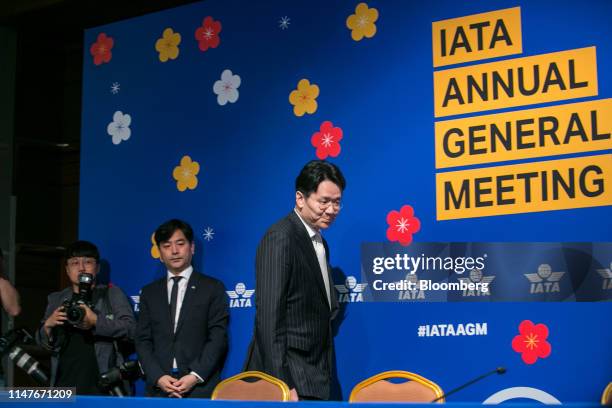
<point>113,381</point>
<point>72,306</point>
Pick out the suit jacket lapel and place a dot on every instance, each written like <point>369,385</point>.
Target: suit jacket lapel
<point>190,295</point>
<point>307,248</point>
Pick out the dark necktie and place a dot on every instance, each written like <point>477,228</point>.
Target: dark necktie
<point>173,298</point>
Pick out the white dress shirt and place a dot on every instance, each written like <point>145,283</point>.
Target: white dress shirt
<point>182,288</point>
<point>317,243</point>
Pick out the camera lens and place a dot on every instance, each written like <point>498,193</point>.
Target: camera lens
<point>75,314</point>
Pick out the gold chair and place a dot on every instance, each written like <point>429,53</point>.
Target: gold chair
<point>606,397</point>
<point>264,388</point>
<point>379,389</point>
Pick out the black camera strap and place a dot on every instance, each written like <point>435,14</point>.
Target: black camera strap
<point>119,357</point>
<point>109,310</point>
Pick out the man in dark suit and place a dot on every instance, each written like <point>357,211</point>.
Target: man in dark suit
<point>295,299</point>
<point>181,338</point>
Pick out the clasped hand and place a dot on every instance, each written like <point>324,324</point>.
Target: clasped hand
<point>176,388</point>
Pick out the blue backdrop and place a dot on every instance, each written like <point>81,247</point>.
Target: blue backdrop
<point>249,145</point>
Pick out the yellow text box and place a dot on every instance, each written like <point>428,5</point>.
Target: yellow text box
<point>555,130</point>
<point>524,188</point>
<point>477,37</point>
<point>516,82</point>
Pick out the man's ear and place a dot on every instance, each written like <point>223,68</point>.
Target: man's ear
<point>299,200</point>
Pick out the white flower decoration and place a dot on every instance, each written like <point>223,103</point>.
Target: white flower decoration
<point>227,88</point>
<point>284,22</point>
<point>208,234</point>
<point>119,128</point>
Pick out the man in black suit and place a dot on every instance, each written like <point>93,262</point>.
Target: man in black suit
<point>181,338</point>
<point>295,300</point>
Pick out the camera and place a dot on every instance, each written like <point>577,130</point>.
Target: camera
<point>114,380</point>
<point>72,306</point>
<point>8,345</point>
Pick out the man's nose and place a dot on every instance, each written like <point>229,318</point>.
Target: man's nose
<point>330,210</point>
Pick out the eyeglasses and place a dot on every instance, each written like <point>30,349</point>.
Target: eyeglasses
<point>76,262</point>
<point>324,204</point>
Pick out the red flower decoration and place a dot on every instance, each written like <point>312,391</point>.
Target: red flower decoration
<point>531,342</point>
<point>101,49</point>
<point>326,140</point>
<point>208,34</point>
<point>402,224</point>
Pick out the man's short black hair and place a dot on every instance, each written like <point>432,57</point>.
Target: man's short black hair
<point>314,173</point>
<point>165,231</point>
<point>82,249</point>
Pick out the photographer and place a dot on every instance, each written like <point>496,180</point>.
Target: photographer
<point>8,294</point>
<point>84,324</point>
<point>9,298</point>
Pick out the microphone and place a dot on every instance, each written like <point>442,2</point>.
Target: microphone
<point>498,370</point>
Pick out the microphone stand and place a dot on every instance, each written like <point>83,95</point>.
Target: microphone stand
<point>498,370</point>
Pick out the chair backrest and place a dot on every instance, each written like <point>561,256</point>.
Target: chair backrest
<point>264,388</point>
<point>415,389</point>
<point>606,397</point>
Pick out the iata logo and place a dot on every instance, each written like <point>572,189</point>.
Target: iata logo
<point>415,294</point>
<point>351,291</point>
<point>240,297</point>
<point>136,300</point>
<point>606,275</point>
<point>476,276</point>
<point>545,280</point>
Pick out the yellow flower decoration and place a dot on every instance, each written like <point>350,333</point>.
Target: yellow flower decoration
<point>167,46</point>
<point>185,174</point>
<point>154,248</point>
<point>361,23</point>
<point>304,98</point>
